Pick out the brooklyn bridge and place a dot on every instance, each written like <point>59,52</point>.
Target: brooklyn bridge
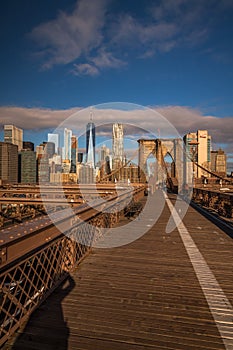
<point>118,266</point>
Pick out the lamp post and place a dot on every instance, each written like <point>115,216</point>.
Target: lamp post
<point>193,152</point>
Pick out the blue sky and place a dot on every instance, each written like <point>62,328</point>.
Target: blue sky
<point>59,55</point>
<point>148,52</point>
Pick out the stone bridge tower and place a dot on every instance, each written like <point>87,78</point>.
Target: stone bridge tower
<point>159,148</point>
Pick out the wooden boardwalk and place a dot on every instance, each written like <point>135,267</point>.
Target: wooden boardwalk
<point>155,293</point>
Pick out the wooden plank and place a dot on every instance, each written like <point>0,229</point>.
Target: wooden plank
<point>144,295</point>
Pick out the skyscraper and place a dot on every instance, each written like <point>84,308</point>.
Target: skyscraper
<point>40,150</point>
<point>8,162</point>
<point>49,148</point>
<point>43,168</point>
<point>190,157</point>
<point>67,144</point>
<point>204,152</point>
<point>90,143</point>
<point>103,153</point>
<point>198,150</point>
<point>55,139</point>
<point>74,153</point>
<point>27,166</point>
<point>117,144</point>
<point>90,153</point>
<point>80,157</point>
<point>86,174</point>
<point>13,135</point>
<point>219,162</point>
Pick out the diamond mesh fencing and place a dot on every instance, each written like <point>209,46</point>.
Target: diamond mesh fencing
<point>26,284</point>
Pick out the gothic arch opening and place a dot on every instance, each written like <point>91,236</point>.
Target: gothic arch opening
<point>170,164</point>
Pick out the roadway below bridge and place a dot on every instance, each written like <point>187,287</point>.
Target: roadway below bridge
<point>51,194</point>
<point>162,291</point>
<point>21,202</point>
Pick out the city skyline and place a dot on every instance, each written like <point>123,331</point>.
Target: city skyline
<point>195,147</point>
<point>173,56</point>
<point>127,139</point>
<point>115,130</point>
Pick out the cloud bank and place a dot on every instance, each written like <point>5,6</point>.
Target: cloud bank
<point>33,118</point>
<point>184,119</point>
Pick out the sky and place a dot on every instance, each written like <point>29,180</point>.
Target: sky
<point>174,56</point>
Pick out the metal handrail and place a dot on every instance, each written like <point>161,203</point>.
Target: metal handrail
<point>217,200</point>
<point>36,262</point>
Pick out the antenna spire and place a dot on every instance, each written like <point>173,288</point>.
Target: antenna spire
<point>91,114</point>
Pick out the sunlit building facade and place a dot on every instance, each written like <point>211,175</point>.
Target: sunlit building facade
<point>117,145</point>
<point>13,135</point>
<point>197,155</point>
<point>219,162</point>
<point>203,153</point>
<point>67,144</point>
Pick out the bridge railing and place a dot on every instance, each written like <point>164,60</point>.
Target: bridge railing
<point>36,257</point>
<point>20,203</point>
<point>221,202</point>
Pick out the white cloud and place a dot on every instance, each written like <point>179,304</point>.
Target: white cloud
<point>128,31</point>
<point>85,69</point>
<point>92,38</point>
<point>69,36</point>
<point>106,59</point>
<point>170,24</point>
<point>102,60</point>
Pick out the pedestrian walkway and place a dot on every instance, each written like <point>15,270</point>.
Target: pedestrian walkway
<point>163,291</point>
